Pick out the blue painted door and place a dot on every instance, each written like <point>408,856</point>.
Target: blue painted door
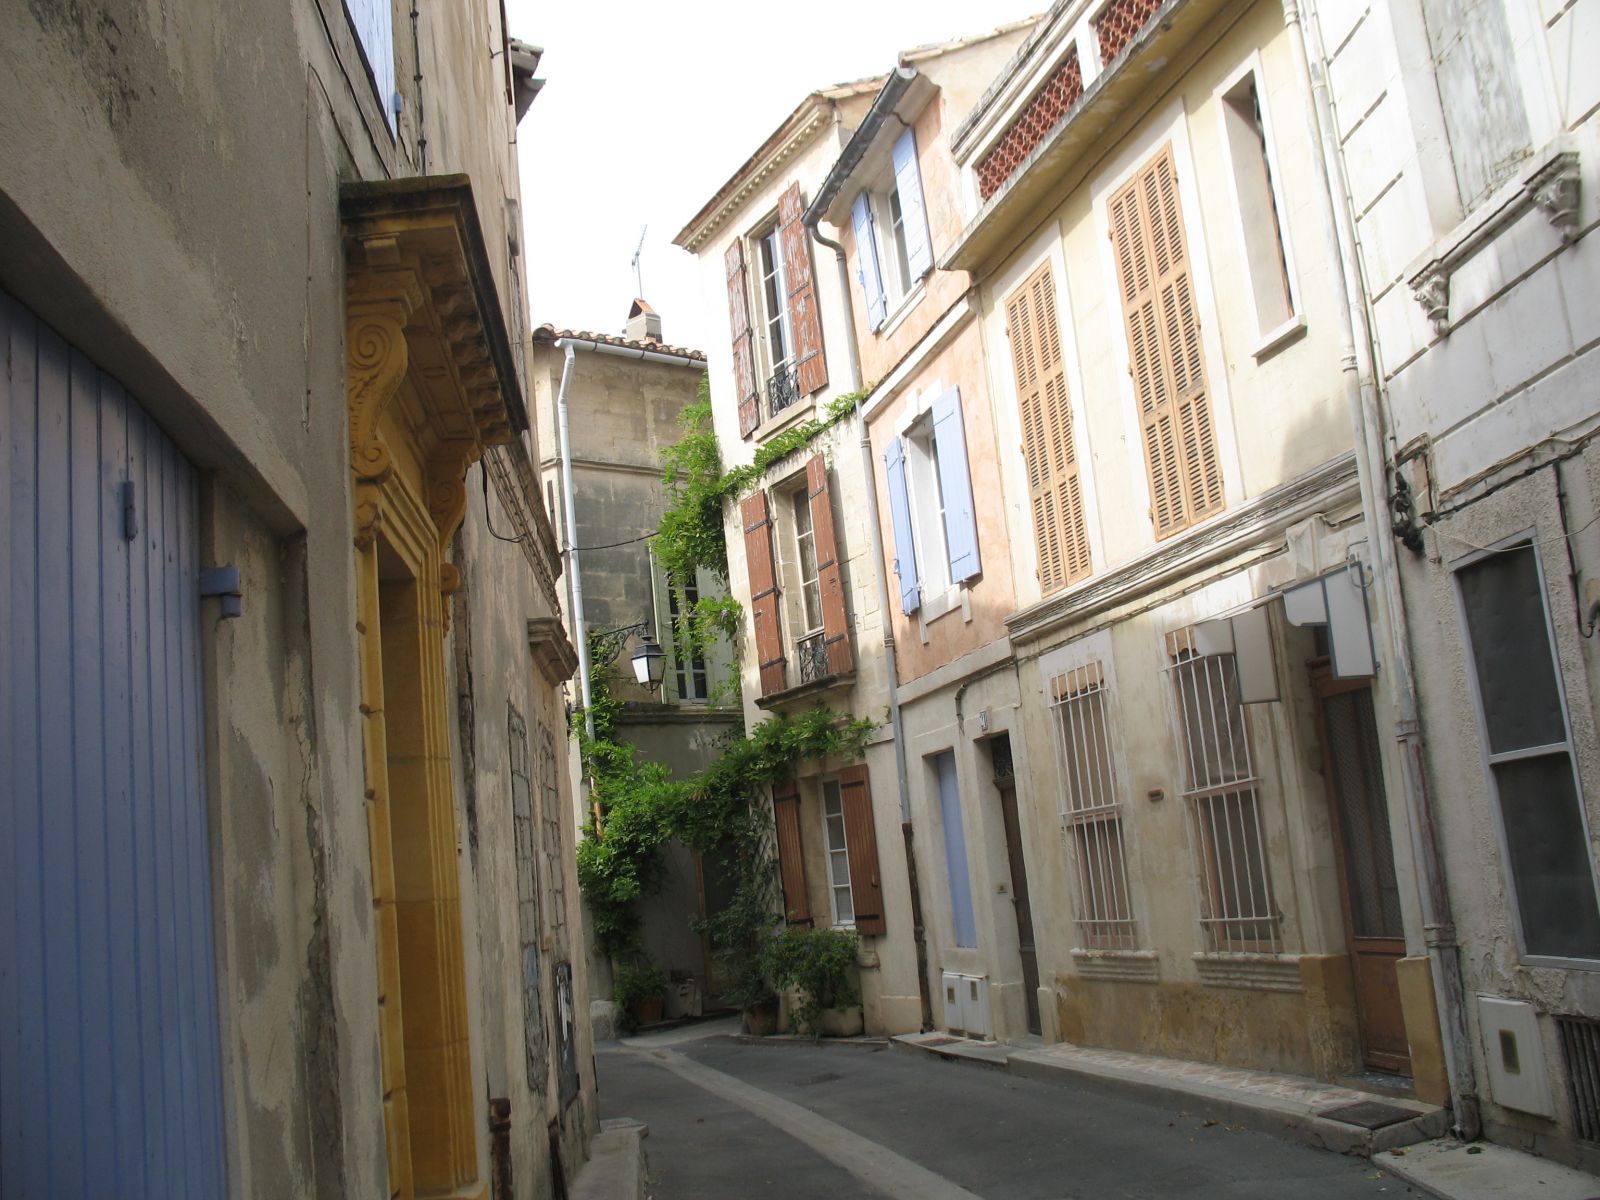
<point>110,1075</point>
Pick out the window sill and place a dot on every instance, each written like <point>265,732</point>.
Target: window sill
<point>774,701</point>
<point>1138,966</point>
<point>1247,969</point>
<point>902,309</point>
<point>793,415</point>
<point>1274,340</point>
<point>956,598</point>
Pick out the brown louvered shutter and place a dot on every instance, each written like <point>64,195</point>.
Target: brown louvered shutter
<point>811,368</point>
<point>830,579</point>
<point>1055,490</point>
<point>791,857</point>
<point>1164,357</point>
<point>763,592</point>
<point>744,362</point>
<point>861,843</point>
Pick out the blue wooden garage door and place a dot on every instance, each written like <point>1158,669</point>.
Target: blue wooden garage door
<point>109,1066</point>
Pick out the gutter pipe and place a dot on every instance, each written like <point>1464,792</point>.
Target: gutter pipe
<point>1361,392</point>
<point>881,109</point>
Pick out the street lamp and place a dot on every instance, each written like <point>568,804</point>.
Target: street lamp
<point>649,662</point>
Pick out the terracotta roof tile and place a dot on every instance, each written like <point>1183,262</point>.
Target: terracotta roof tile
<point>549,333</point>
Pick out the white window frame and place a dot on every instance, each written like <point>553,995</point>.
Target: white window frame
<point>1489,760</point>
<point>925,503</point>
<point>690,673</point>
<point>1205,802</point>
<point>1273,338</point>
<point>834,822</point>
<point>768,236</point>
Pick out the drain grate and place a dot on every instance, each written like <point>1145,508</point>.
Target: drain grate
<point>1368,1114</point>
<point>1580,1048</point>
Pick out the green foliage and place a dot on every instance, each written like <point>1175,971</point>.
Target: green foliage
<point>821,964</point>
<point>633,984</point>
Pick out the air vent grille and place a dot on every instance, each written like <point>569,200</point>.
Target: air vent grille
<point>1580,1050</point>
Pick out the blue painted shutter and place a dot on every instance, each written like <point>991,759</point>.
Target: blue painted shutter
<point>905,550</point>
<point>913,212</point>
<point>867,263</point>
<point>110,1071</point>
<point>960,522</point>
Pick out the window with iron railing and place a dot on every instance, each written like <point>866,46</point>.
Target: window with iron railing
<point>1092,809</point>
<point>1222,794</point>
<point>811,657</point>
<point>783,390</point>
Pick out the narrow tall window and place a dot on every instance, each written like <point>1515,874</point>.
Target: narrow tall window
<point>897,227</point>
<point>1259,220</point>
<point>843,904</point>
<point>688,665</point>
<point>1222,794</point>
<point>806,559</point>
<point>774,301</point>
<point>535,1036</point>
<point>550,819</point>
<point>1529,748</point>
<point>1092,808</point>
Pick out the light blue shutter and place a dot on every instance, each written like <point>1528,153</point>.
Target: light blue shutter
<point>913,212</point>
<point>960,522</point>
<point>867,262</point>
<point>905,551</point>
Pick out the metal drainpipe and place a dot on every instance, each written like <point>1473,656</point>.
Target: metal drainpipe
<point>1373,469</point>
<point>879,569</point>
<point>580,628</point>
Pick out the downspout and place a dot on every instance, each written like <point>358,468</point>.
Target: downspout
<point>1361,391</point>
<point>875,531</point>
<point>580,628</point>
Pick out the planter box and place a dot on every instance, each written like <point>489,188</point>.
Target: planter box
<point>842,1022</point>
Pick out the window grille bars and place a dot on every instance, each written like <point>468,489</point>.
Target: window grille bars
<point>783,390</point>
<point>1238,911</point>
<point>812,653</point>
<point>1092,810</point>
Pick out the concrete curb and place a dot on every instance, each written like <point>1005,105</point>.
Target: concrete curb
<point>1264,1114</point>
<point>615,1170</point>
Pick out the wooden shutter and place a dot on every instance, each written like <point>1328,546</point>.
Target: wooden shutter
<point>1156,288</point>
<point>791,856</point>
<point>905,549</point>
<point>763,577</point>
<point>955,482</point>
<point>867,270</point>
<point>1055,490</point>
<point>830,579</point>
<point>811,369</point>
<point>913,212</point>
<point>744,362</point>
<point>861,841</point>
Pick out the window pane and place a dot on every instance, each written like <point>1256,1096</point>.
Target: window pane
<point>838,867</point>
<point>1549,856</point>
<point>843,906</point>
<point>1511,648</point>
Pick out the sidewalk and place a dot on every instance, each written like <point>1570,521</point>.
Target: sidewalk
<point>1402,1137</point>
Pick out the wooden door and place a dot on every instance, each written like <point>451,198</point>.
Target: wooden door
<point>1365,851</point>
<point>1005,781</point>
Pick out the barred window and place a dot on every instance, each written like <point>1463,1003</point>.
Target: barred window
<point>1238,911</point>
<point>550,818</point>
<point>1092,809</point>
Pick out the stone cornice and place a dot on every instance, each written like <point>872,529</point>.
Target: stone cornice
<point>1234,532</point>
<point>552,650</point>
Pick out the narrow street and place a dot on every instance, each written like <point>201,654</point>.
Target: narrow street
<point>783,1120</point>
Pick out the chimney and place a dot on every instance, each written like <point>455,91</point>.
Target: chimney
<point>644,325</point>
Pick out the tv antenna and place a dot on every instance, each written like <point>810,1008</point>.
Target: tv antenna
<point>638,275</point>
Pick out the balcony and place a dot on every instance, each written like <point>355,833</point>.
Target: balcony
<point>808,676</point>
<point>783,390</point>
<point>811,658</point>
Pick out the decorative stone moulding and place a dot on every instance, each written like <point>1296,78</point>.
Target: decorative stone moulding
<point>1552,187</point>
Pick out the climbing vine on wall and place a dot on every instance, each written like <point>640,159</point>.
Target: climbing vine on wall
<point>720,812</point>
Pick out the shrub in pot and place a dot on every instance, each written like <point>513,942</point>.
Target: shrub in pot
<point>820,964</point>
<point>639,991</point>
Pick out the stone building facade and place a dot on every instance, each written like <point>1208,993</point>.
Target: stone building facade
<point>299,805</point>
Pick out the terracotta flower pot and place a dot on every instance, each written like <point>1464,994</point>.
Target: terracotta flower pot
<point>648,1012</point>
<point>761,1021</point>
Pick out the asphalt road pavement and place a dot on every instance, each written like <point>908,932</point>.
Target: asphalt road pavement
<point>732,1119</point>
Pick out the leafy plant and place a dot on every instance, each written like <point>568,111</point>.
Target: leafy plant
<point>821,964</point>
<point>633,984</point>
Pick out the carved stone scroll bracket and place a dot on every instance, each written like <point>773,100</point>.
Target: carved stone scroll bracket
<point>1554,191</point>
<point>1432,291</point>
<point>376,358</point>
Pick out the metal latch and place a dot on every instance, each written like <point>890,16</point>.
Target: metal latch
<point>223,582</point>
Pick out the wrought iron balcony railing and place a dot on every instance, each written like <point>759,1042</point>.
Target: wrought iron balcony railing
<point>812,654</point>
<point>783,390</point>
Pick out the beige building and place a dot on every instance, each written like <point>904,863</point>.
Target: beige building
<point>298,802</point>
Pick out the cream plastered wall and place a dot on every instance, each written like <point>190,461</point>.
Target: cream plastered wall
<point>170,203</point>
<point>1275,416</point>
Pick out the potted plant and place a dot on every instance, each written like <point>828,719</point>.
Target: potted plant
<point>820,964</point>
<point>639,990</point>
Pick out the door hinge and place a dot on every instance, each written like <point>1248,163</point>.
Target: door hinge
<point>223,582</point>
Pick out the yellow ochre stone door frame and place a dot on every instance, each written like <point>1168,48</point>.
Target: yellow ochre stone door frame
<point>429,384</point>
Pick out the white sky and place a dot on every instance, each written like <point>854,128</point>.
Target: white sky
<point>649,108</point>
